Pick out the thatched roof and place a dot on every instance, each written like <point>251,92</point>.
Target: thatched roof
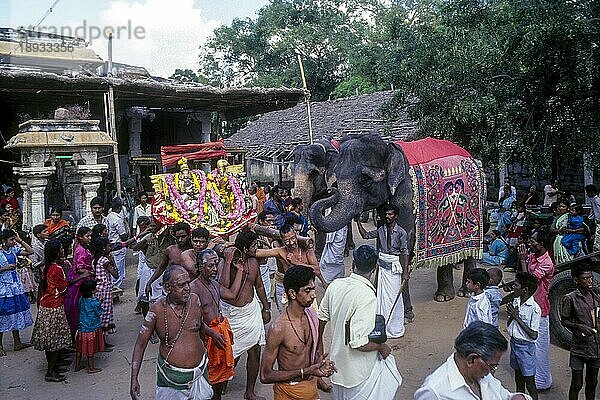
<point>19,86</point>
<point>278,132</point>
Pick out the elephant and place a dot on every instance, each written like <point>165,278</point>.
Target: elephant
<point>370,172</point>
<point>313,165</point>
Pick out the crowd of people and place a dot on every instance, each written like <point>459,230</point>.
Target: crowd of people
<point>192,285</point>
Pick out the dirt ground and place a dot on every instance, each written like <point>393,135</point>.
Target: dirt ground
<point>426,345</point>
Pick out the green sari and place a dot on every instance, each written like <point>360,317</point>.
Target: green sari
<point>560,253</point>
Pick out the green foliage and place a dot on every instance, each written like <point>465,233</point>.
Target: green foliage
<point>264,51</point>
<point>511,80</point>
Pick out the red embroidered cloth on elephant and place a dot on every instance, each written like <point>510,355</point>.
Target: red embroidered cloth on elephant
<point>448,195</point>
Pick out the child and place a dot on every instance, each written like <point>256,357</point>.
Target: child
<point>575,230</point>
<point>579,312</point>
<point>90,338</point>
<point>492,291</point>
<point>524,316</point>
<point>497,252</point>
<point>478,308</point>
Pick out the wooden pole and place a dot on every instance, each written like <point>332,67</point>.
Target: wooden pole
<point>112,119</point>
<point>306,99</point>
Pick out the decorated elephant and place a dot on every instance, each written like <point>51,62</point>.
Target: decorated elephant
<point>447,207</point>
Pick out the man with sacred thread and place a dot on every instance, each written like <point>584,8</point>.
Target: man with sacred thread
<point>292,341</point>
<point>182,362</point>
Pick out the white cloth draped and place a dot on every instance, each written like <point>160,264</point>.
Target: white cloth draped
<point>382,384</point>
<point>543,373</point>
<point>393,260</point>
<point>200,389</point>
<point>246,324</point>
<point>388,285</point>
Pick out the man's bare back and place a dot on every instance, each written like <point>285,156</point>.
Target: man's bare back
<point>250,273</point>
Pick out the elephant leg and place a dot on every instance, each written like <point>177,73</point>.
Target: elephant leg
<point>445,282</point>
<point>409,315</point>
<point>470,264</point>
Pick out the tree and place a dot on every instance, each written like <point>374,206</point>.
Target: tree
<point>264,51</point>
<point>512,81</point>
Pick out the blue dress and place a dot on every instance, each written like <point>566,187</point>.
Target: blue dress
<point>572,241</point>
<point>14,306</point>
<point>497,253</point>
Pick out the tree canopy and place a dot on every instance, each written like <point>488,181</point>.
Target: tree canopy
<point>511,80</point>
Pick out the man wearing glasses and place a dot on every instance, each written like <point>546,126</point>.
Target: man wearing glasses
<point>469,372</point>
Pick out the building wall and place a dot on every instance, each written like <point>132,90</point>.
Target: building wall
<point>263,171</point>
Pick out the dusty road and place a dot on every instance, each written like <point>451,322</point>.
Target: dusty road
<point>426,345</point>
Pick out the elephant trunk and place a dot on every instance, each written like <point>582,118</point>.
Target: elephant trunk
<point>303,188</point>
<point>342,211</point>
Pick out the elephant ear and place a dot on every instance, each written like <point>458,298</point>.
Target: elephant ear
<point>395,165</point>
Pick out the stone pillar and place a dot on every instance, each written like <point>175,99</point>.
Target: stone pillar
<point>26,204</point>
<point>90,181</point>
<point>37,187</point>
<point>33,181</point>
<point>73,189</point>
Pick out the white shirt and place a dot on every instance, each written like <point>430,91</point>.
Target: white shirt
<point>595,212</point>
<point>447,383</point>
<point>513,192</point>
<point>116,227</point>
<point>335,242</point>
<point>141,211</point>
<point>550,195</point>
<point>350,299</point>
<point>478,309</point>
<point>531,313</point>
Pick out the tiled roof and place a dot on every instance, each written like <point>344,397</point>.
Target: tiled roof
<point>278,132</point>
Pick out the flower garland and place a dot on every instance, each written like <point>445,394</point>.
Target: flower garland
<point>173,197</point>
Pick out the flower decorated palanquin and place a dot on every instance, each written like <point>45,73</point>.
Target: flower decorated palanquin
<point>214,200</point>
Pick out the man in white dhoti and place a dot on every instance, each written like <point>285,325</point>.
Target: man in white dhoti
<point>393,268</point>
<point>249,311</point>
<point>468,374</point>
<point>365,369</point>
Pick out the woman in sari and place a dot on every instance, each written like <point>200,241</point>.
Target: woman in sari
<point>55,225</point>
<point>498,251</point>
<point>80,271</point>
<point>559,227</point>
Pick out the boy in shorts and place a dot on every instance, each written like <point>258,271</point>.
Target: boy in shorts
<point>524,316</point>
<point>579,312</point>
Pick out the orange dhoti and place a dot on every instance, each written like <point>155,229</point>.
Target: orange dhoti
<point>303,390</point>
<point>220,362</point>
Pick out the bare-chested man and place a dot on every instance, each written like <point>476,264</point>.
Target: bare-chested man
<point>244,312</point>
<point>292,253</point>
<point>182,361</point>
<point>181,231</point>
<point>210,291</point>
<point>292,341</point>
<point>200,241</point>
<point>268,266</point>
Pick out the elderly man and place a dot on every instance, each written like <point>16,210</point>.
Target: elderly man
<point>244,313</point>
<point>393,269</point>
<point>366,370</point>
<point>468,373</point>
<point>292,341</point>
<point>210,292</point>
<point>182,361</point>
